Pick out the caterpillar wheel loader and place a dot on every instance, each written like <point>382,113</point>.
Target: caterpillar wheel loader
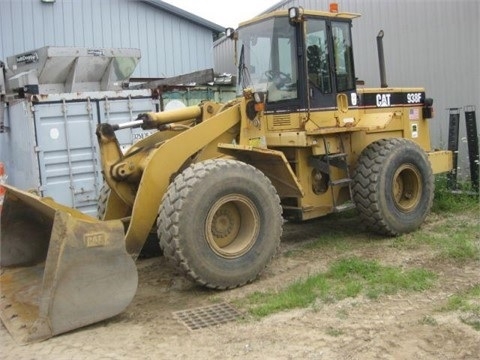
<point>216,180</point>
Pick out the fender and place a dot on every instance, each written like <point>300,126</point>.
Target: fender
<point>272,163</point>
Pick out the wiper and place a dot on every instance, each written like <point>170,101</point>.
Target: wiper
<point>243,73</point>
<point>241,64</point>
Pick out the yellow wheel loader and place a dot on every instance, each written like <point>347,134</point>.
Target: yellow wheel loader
<point>216,181</point>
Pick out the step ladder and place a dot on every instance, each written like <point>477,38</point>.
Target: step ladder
<point>453,130</point>
<point>324,164</point>
<point>472,142</point>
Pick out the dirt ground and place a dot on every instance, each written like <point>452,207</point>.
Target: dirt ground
<point>400,326</point>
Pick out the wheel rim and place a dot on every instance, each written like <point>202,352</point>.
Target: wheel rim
<point>232,226</point>
<point>407,187</point>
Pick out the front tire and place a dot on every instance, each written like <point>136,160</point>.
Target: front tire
<point>220,222</point>
<point>393,186</point>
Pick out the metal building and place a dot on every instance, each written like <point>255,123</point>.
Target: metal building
<point>428,43</point>
<point>171,40</point>
<point>65,56</point>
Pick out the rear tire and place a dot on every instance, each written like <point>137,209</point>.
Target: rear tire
<point>220,222</point>
<point>102,201</point>
<point>393,186</point>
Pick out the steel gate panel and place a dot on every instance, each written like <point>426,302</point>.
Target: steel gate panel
<point>18,147</point>
<point>68,154</point>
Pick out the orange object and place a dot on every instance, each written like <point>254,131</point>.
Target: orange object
<point>334,7</point>
<point>259,106</point>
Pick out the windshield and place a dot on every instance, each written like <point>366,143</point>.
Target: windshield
<point>267,59</point>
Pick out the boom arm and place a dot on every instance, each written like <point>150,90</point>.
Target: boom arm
<point>156,160</point>
<point>123,172</point>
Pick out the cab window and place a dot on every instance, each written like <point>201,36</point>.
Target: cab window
<point>318,60</point>
<point>343,56</point>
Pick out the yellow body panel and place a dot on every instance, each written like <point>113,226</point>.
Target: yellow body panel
<point>441,161</point>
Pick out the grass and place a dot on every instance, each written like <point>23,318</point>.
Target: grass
<point>346,278</point>
<point>334,332</point>
<point>339,234</point>
<point>335,239</point>
<point>455,240</point>
<point>448,201</point>
<point>428,320</point>
<point>331,239</point>
<point>468,304</point>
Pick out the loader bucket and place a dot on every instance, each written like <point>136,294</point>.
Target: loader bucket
<point>60,269</point>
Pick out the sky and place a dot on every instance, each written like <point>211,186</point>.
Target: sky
<point>226,13</point>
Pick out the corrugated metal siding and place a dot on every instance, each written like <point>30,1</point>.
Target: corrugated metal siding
<point>52,148</point>
<point>432,44</point>
<point>170,45</point>
<point>224,56</point>
<point>67,158</point>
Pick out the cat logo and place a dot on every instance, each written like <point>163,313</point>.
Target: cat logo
<point>383,100</point>
<point>95,239</point>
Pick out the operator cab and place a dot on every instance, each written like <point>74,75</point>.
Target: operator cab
<point>298,60</point>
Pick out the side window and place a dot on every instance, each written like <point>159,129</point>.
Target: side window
<point>282,75</point>
<point>343,56</point>
<point>318,63</point>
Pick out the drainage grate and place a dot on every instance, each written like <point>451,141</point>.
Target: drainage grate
<point>206,316</point>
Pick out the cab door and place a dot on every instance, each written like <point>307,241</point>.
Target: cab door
<point>330,67</point>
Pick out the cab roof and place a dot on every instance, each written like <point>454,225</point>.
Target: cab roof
<point>306,13</point>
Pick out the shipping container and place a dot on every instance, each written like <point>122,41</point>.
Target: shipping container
<point>49,144</point>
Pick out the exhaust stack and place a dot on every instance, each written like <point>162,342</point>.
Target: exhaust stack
<point>381,60</point>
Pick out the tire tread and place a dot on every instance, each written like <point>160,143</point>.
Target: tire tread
<point>174,201</point>
<point>366,176</point>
